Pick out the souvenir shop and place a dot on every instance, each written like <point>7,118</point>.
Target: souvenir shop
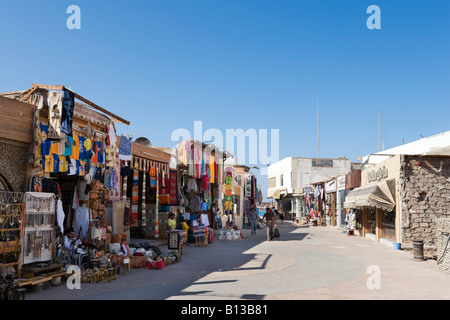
<point>74,173</point>
<point>201,175</point>
<point>316,204</point>
<point>151,186</point>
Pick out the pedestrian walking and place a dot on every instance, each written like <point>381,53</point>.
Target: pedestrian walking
<point>270,220</point>
<point>282,217</point>
<point>253,217</point>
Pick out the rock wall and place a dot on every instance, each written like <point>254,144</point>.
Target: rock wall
<point>425,185</point>
<point>443,244</point>
<point>13,165</point>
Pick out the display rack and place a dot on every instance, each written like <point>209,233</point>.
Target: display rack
<point>11,216</point>
<point>38,227</point>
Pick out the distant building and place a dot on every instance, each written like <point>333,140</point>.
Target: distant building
<point>290,180</point>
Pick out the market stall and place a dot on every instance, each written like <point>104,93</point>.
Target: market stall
<point>74,171</point>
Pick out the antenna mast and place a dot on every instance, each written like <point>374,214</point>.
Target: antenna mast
<point>379,131</point>
<point>318,141</point>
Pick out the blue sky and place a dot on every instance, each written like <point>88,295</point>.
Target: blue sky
<point>250,64</point>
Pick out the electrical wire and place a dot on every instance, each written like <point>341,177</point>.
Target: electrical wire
<point>445,249</point>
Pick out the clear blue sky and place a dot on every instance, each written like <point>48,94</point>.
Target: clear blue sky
<point>244,64</point>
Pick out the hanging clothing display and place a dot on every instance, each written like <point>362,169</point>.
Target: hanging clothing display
<point>68,104</point>
<point>125,147</point>
<point>55,104</point>
<point>60,214</point>
<point>152,177</point>
<point>212,169</point>
<point>228,189</point>
<point>189,157</point>
<point>173,188</point>
<point>111,139</point>
<point>81,222</point>
<point>135,199</point>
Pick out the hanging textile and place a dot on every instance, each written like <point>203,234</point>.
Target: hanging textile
<point>68,104</point>
<point>173,188</point>
<point>164,184</point>
<point>152,177</point>
<point>144,212</point>
<point>135,199</point>
<point>219,170</point>
<point>54,102</point>
<point>111,139</point>
<point>248,186</point>
<point>157,207</point>
<point>125,147</point>
<point>228,190</point>
<point>198,160</point>
<point>212,168</point>
<point>189,157</point>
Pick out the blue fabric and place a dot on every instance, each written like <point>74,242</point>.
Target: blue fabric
<point>67,112</point>
<point>125,148</point>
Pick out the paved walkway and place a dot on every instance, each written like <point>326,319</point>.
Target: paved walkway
<point>313,263</point>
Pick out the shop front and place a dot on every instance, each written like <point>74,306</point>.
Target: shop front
<point>66,206</point>
<point>70,175</point>
<point>341,193</point>
<point>331,201</point>
<point>201,187</point>
<point>375,202</point>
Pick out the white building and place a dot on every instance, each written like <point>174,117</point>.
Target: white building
<point>438,144</point>
<point>290,177</point>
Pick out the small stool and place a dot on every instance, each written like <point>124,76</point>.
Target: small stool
<point>20,292</point>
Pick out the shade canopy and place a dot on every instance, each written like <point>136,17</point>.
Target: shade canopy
<point>378,195</point>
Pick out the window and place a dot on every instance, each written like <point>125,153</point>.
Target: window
<point>272,183</point>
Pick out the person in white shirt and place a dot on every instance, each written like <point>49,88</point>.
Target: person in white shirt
<point>71,241</point>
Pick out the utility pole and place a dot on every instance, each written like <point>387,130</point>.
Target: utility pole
<point>379,131</point>
<point>318,141</point>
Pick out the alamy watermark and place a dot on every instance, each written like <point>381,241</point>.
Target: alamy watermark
<point>374,280</point>
<point>74,20</point>
<point>250,147</point>
<point>74,280</point>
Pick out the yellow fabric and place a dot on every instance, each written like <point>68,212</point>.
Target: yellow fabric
<point>75,148</point>
<point>54,148</point>
<point>48,163</point>
<point>88,144</point>
<point>211,169</point>
<point>62,164</point>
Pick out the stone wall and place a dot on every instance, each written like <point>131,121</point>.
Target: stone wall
<point>13,165</point>
<point>443,245</point>
<point>425,186</point>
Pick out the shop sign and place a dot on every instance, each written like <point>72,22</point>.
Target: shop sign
<point>341,183</point>
<point>322,163</point>
<point>377,175</point>
<point>174,241</point>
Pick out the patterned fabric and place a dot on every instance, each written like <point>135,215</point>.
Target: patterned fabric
<point>152,177</point>
<point>54,101</point>
<point>135,199</point>
<point>125,148</point>
<point>173,190</point>
<point>68,104</point>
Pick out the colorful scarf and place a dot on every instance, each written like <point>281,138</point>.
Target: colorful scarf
<point>173,190</point>
<point>135,198</point>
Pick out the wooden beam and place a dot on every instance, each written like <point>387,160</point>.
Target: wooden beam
<point>13,92</point>
<point>28,94</point>
<point>91,104</point>
<point>48,87</point>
